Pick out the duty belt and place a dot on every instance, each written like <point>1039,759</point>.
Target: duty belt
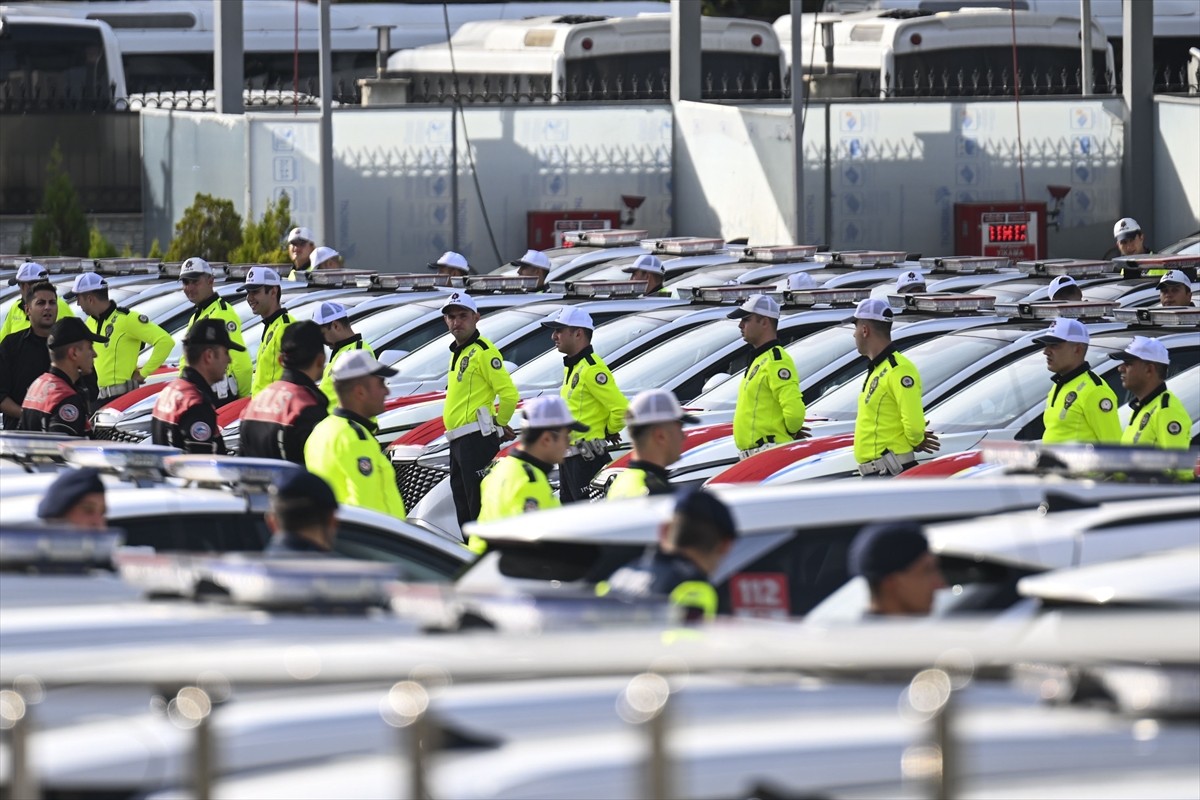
<point>887,464</point>
<point>588,448</point>
<point>463,430</point>
<point>758,447</point>
<point>116,390</point>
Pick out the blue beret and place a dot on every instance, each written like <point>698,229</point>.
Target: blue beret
<point>879,550</point>
<point>701,504</point>
<point>299,487</point>
<point>68,489</point>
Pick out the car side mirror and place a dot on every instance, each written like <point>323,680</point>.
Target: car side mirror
<point>714,381</point>
<point>391,356</point>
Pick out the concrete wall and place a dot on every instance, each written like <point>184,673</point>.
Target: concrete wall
<point>1176,170</point>
<point>16,231</point>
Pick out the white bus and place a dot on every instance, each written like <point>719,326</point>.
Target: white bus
<point>582,57</point>
<point>56,63</point>
<point>899,53</point>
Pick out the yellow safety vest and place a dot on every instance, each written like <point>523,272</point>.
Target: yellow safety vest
<point>1081,407</point>
<point>515,484</point>
<point>240,366</point>
<point>127,333</point>
<point>342,449</point>
<point>890,415</point>
<point>1159,421</point>
<point>770,408</point>
<point>353,343</point>
<point>477,378</point>
<point>591,392</point>
<point>267,368</point>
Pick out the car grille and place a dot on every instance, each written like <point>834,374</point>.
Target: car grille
<point>414,481</point>
<point>108,434</point>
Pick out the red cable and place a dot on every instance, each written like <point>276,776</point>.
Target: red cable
<point>1017,99</point>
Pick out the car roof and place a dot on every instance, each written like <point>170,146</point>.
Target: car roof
<point>1171,578</point>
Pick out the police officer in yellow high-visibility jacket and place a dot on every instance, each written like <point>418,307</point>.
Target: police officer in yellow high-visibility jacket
<point>127,333</point>
<point>591,394</point>
<point>1159,418</point>
<point>1080,407</point>
<point>770,409</point>
<point>339,337</point>
<point>196,275</point>
<point>264,293</point>
<point>342,448</point>
<point>889,428</point>
<point>655,422</point>
<point>518,482</point>
<point>475,425</point>
<point>29,274</point>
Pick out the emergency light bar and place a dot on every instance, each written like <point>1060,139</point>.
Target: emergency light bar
<point>597,289</point>
<point>1088,459</point>
<point>860,259</point>
<point>123,459</point>
<point>22,547</point>
<point>1075,309</point>
<point>965,265</point>
<point>946,303</point>
<point>1074,267</point>
<point>28,447</point>
<point>688,246</point>
<point>341,278</point>
<point>603,238</point>
<point>13,260</point>
<point>282,583</point>
<point>248,472</point>
<point>1138,266</point>
<point>780,253</point>
<point>415,282</point>
<point>171,269</point>
<point>502,283</point>
<point>126,266</point>
<point>731,293</point>
<point>1182,317</point>
<point>806,298</point>
<point>158,575</point>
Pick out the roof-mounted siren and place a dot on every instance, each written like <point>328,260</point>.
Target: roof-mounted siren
<point>126,266</point>
<point>56,549</point>
<point>965,265</point>
<point>502,284</point>
<point>341,278</point>
<point>61,265</point>
<point>862,259</point>
<point>1140,266</point>
<point>243,473</point>
<point>33,449</point>
<point>728,294</point>
<point>1074,309</point>
<point>1074,267</point>
<point>1159,317</point>
<point>598,290</point>
<point>1139,463</point>
<point>827,298</point>
<point>604,238</point>
<point>238,272</point>
<point>943,304</point>
<point>13,260</point>
<point>688,246</point>
<point>141,463</point>
<point>780,254</point>
<point>415,282</point>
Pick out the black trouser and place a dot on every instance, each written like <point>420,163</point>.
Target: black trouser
<point>574,475</point>
<point>470,456</point>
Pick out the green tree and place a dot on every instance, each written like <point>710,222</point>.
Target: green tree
<point>60,227</point>
<point>155,250</point>
<point>209,228</point>
<point>98,246</point>
<point>262,241</point>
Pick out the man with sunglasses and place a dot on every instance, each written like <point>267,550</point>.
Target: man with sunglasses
<point>300,246</point>
<point>264,294</point>
<point>197,277</point>
<point>339,337</point>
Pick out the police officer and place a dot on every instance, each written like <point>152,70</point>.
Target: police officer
<point>533,263</point>
<point>24,355</point>
<point>475,426</point>
<point>279,419</point>
<point>902,574</point>
<point>300,246</point>
<point>76,499</point>
<point>185,413</point>
<point>29,274</point>
<point>591,394</point>
<point>1064,289</point>
<point>1159,418</point>
<point>655,421</point>
<point>889,427</point>
<point>325,258</point>
<point>796,282</point>
<point>55,402</point>
<point>127,333</point>
<point>342,448</point>
<point>264,293</point>
<point>196,275</point>
<point>518,482</point>
<point>770,408</point>
<point>701,533</point>
<point>1081,407</point>
<point>1130,239</point>
<point>1174,290</point>
<point>911,282</point>
<point>648,268</point>
<point>302,516</point>
<point>339,336</point>
<point>452,265</point>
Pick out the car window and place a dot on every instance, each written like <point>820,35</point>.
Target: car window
<point>420,563</point>
<point>432,360</point>
<point>419,336</point>
<point>196,533</point>
<point>377,325</point>
<point>794,576</point>
<point>658,365</point>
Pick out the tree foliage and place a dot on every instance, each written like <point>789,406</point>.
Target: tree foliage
<point>60,227</point>
<point>263,241</point>
<point>209,228</point>
<point>98,246</point>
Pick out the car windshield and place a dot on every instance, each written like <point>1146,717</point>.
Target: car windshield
<point>384,321</point>
<point>1186,386</point>
<point>432,361</point>
<point>937,360</point>
<point>1008,292</point>
<point>660,364</point>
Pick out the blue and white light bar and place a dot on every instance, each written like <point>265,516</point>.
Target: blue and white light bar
<point>688,246</point>
<point>417,282</point>
<point>24,446</point>
<point>944,303</point>
<point>965,265</point>
<point>1075,309</point>
<point>126,266</point>
<point>234,470</point>
<point>862,259</point>
<point>501,284</point>
<point>1073,267</point>
<point>604,238</point>
<point>727,293</point>
<point>808,298</point>
<point>118,458</point>
<point>598,289</point>
<point>22,547</point>
<point>282,583</point>
<point>1089,459</point>
<point>778,254</point>
<point>1180,317</point>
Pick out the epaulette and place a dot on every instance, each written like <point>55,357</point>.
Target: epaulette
<point>362,434</point>
<point>775,351</point>
<point>892,360</point>
<point>529,472</point>
<point>1096,379</point>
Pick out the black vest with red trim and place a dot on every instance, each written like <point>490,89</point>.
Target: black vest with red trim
<point>54,404</point>
<point>278,421</point>
<point>185,415</point>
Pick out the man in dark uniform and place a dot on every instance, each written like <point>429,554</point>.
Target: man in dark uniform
<point>279,419</point>
<point>185,414</point>
<point>75,499</point>
<point>55,402</point>
<point>902,574</point>
<point>690,549</point>
<point>24,356</point>
<point>303,516</point>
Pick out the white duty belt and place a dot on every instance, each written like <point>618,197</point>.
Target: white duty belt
<point>117,389</point>
<point>888,464</point>
<point>483,424</point>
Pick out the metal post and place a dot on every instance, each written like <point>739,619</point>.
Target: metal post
<point>644,702</point>
<point>383,46</point>
<point>328,216</point>
<point>797,80</point>
<point>1085,39</point>
<point>406,708</point>
<point>229,68</point>
<point>454,112</point>
<point>14,718</point>
<point>1137,184</point>
<point>685,50</point>
<point>930,697</point>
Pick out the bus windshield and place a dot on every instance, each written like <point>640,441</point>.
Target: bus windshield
<point>43,61</point>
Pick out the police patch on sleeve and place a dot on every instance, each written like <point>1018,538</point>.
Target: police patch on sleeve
<point>1106,404</point>
<point>142,318</point>
<point>200,431</point>
<point>365,466</point>
<point>531,504</point>
<point>785,374</point>
<point>601,378</point>
<point>907,382</point>
<point>1174,428</point>
<point>68,412</point>
<point>231,326</point>
<point>497,363</point>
